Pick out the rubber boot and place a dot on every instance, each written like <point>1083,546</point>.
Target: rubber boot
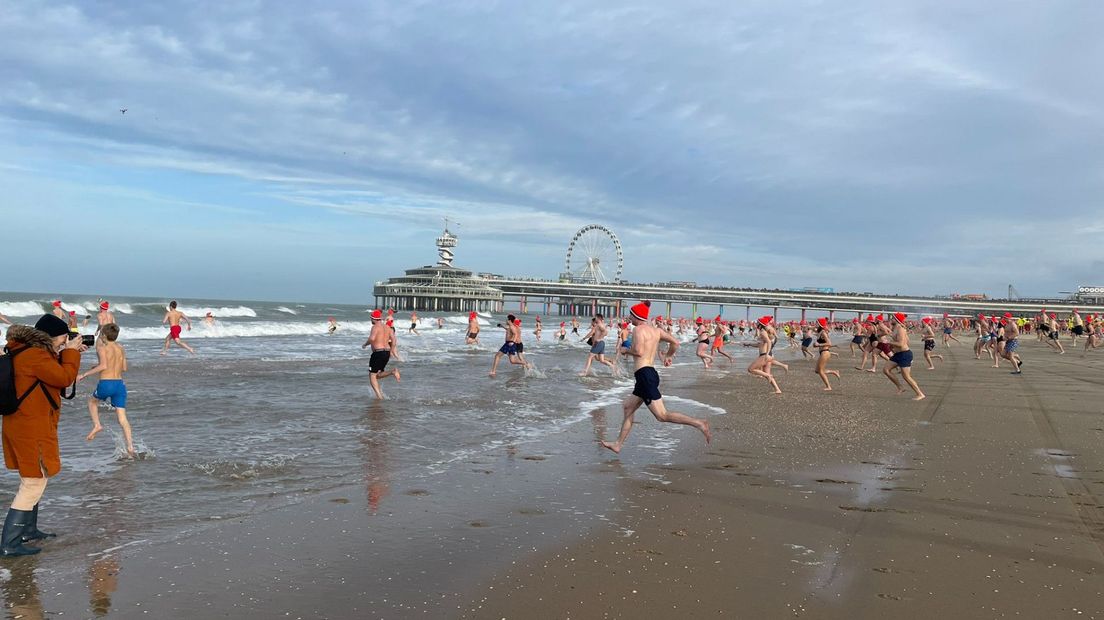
<point>31,532</point>
<point>11,541</point>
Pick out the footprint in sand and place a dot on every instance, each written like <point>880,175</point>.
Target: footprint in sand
<point>339,500</point>
<point>417,492</point>
<point>534,458</point>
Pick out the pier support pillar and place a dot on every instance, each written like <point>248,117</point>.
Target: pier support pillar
<point>694,310</point>
<point>803,315</point>
<point>776,315</point>
<point>668,315</point>
<point>831,316</point>
<point>720,310</point>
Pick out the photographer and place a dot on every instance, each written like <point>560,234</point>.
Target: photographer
<point>45,361</point>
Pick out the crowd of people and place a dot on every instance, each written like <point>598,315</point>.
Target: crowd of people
<point>44,360</point>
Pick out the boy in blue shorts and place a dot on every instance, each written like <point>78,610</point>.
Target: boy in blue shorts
<point>111,366</point>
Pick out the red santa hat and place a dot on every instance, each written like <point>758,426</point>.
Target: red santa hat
<point>640,310</point>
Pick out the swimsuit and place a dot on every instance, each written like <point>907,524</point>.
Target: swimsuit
<point>1011,345</point>
<point>1078,330</point>
<point>520,348</point>
<point>902,359</point>
<point>805,342</point>
<point>599,348</point>
<point>472,335</point>
<point>627,344</point>
<point>857,340</point>
<point>174,332</point>
<point>113,390</point>
<point>509,348</point>
<point>378,361</point>
<point>947,330</point>
<point>647,385</point>
<point>929,344</point>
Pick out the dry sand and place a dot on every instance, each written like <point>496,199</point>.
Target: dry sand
<point>979,502</point>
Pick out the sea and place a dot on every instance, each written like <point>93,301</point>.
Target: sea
<point>272,411</point>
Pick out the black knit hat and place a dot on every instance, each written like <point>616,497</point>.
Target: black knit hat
<point>52,325</point>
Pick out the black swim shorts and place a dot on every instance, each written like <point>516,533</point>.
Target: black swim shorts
<point>647,385</point>
<point>378,361</point>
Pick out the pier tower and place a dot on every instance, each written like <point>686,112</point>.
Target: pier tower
<point>439,288</point>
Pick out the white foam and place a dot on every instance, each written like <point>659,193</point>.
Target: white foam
<point>21,308</point>
<point>286,309</point>
<point>243,330</point>
<point>198,311</point>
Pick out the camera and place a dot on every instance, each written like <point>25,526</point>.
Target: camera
<point>87,340</point>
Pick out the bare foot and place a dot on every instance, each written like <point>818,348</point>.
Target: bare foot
<point>398,378</point>
<point>858,368</point>
<point>920,397</point>
<point>708,432</point>
<point>871,370</point>
<point>584,374</point>
<point>95,430</point>
<point>827,389</point>
<point>132,453</point>
<point>777,391</point>
<point>931,367</point>
<point>491,374</point>
<point>612,446</point>
<point>900,390</point>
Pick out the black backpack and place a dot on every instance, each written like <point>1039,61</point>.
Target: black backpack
<point>9,400</point>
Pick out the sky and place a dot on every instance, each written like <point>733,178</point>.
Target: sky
<point>304,150</point>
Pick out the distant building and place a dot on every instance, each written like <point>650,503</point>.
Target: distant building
<point>1090,294</point>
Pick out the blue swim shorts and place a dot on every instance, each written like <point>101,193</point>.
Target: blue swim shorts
<point>113,390</point>
<point>1011,345</point>
<point>902,359</point>
<point>509,349</point>
<point>599,348</point>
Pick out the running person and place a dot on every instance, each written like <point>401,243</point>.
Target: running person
<point>597,336</point>
<point>509,347</point>
<point>1011,342</point>
<point>104,317</point>
<point>901,358</point>
<point>473,329</point>
<point>703,343</point>
<point>173,317</point>
<point>824,344</point>
<point>414,323</point>
<point>645,346</point>
<point>720,335</point>
<point>761,365</point>
<point>382,341</point>
<point>928,335</point>
<point>948,330</point>
<point>111,366</point>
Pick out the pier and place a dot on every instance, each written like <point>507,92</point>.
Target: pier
<point>447,288</point>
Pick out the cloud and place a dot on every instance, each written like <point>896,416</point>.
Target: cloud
<point>853,144</point>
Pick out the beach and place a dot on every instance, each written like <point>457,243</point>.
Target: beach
<point>274,485</point>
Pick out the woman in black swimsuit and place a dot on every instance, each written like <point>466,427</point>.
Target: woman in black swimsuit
<point>824,343</point>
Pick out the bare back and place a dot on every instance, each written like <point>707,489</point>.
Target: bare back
<point>112,356</point>
<point>645,344</point>
<point>173,317</point>
<point>380,338</point>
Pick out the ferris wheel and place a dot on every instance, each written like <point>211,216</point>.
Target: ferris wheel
<point>594,256</point>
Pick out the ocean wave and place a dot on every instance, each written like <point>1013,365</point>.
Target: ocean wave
<point>286,309</point>
<point>242,330</point>
<point>232,311</point>
<point>22,308</point>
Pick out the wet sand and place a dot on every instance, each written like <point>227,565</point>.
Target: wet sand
<point>979,502</point>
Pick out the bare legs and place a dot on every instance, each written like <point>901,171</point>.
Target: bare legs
<point>906,374</point>
<point>760,367</point>
<point>821,365</point>
<point>374,379</point>
<point>633,402</point>
<point>94,413</point>
<point>179,343</point>
<point>928,355</point>
<point>601,360</point>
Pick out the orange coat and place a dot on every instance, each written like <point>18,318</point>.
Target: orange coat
<point>30,434</point>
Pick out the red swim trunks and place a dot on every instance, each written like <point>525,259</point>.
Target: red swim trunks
<point>174,332</point>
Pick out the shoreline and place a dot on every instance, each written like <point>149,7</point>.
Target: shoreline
<point>979,502</point>
<point>857,503</point>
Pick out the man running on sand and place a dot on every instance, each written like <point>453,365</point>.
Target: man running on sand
<point>111,366</point>
<point>382,340</point>
<point>645,343</point>
<point>1011,342</point>
<point>902,357</point>
<point>597,336</point>
<point>928,335</point>
<point>948,330</point>
<point>173,317</point>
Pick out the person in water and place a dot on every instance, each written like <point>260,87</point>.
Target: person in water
<point>111,365</point>
<point>382,341</point>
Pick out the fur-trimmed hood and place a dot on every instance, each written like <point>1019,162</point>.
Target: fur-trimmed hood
<point>27,335</point>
